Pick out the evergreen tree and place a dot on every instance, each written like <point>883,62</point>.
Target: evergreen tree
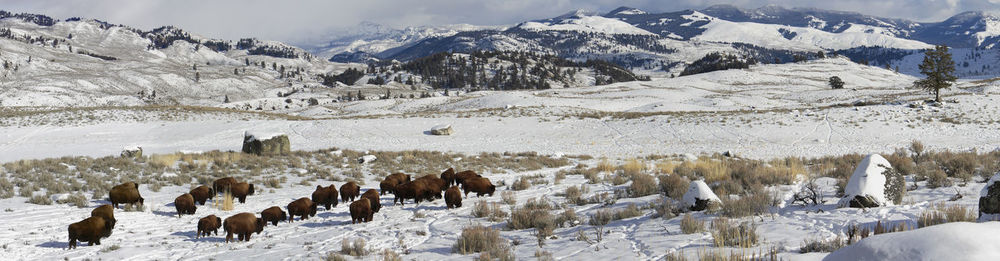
<point>939,69</point>
<point>836,82</point>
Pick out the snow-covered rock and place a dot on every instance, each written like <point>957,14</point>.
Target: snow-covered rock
<point>699,196</point>
<point>131,152</point>
<point>444,129</point>
<point>367,159</point>
<point>951,241</point>
<point>989,198</point>
<point>867,188</point>
<point>266,143</point>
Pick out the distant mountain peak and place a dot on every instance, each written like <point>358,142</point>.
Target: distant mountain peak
<point>625,10</point>
<point>578,13</point>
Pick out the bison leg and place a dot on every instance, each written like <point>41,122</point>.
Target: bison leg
<point>243,199</point>
<point>229,236</point>
<point>72,243</point>
<point>247,237</point>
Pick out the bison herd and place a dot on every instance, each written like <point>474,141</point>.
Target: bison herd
<point>428,187</point>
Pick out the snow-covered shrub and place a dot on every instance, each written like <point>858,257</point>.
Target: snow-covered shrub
<point>674,185</point>
<point>940,214</point>
<point>601,218</point>
<point>664,208</point>
<point>478,239</point>
<point>533,214</point>
<point>353,248</point>
<point>822,245</point>
<point>491,211</point>
<point>522,183</point>
<point>509,197</point>
<point>642,185</point>
<point>40,200</point>
<point>727,234</point>
<point>567,218</point>
<point>690,225</point>
<point>77,200</point>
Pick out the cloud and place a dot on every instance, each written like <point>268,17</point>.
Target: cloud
<point>304,19</point>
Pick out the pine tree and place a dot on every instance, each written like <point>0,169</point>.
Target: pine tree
<point>939,69</point>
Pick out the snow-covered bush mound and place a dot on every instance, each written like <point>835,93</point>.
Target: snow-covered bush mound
<point>989,198</point>
<point>266,143</point>
<point>870,186</point>
<point>699,196</point>
<point>951,241</point>
<point>444,129</point>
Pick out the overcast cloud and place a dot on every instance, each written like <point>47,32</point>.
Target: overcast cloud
<point>295,20</point>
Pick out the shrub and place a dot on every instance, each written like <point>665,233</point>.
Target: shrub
<point>491,211</point>
<point>642,185</point>
<point>478,239</point>
<point>574,195</point>
<point>675,256</point>
<point>726,234</point>
<point>355,248</point>
<point>664,208</point>
<point>690,225</point>
<point>40,200</point>
<point>522,183</point>
<point>77,199</point>
<point>334,256</point>
<point>748,205</point>
<point>936,178</point>
<point>836,82</point>
<point>560,176</point>
<point>822,245</point>
<point>616,179</point>
<point>592,177</point>
<point>509,197</point>
<point>533,214</point>
<point>389,255</point>
<point>542,255</point>
<point>601,217</point>
<point>633,167</point>
<point>628,212</point>
<point>605,166</point>
<point>568,216</point>
<point>940,214</point>
<point>674,186</point>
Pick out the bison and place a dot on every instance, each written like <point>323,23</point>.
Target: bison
<point>453,197</point>
<point>185,204</point>
<point>435,185</point>
<point>448,176</point>
<point>388,186</point>
<point>211,223</point>
<point>241,191</point>
<point>273,215</point>
<point>462,176</point>
<point>481,186</point>
<point>105,211</point>
<point>202,194</point>
<point>372,196</point>
<point>401,177</point>
<point>416,190</point>
<point>361,211</point>
<point>303,207</point>
<point>325,196</point>
<point>90,230</point>
<point>222,185</point>
<point>243,225</point>
<point>349,191</point>
<point>127,193</point>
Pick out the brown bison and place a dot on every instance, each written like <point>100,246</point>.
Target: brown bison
<point>435,185</point>
<point>242,224</point>
<point>361,211</point>
<point>388,185</point>
<point>241,191</point>
<point>127,193</point>
<point>349,191</point>
<point>105,211</point>
<point>416,190</point>
<point>401,177</point>
<point>90,230</point>
<point>372,196</point>
<point>448,176</point>
<point>185,204</point>
<point>453,197</point>
<point>211,223</point>
<point>222,185</point>
<point>325,196</point>
<point>462,176</point>
<point>481,186</point>
<point>202,194</point>
<point>303,207</point>
<point>273,215</point>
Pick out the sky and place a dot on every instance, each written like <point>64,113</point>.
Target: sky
<point>301,21</point>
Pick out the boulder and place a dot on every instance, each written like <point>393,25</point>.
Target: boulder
<point>874,183</point>
<point>989,199</point>
<point>264,145</point>
<point>442,130</point>
<point>700,197</point>
<point>134,152</point>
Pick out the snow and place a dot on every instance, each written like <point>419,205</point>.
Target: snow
<point>698,190</point>
<point>951,241</point>
<point>806,39</point>
<point>868,180</point>
<point>261,135</point>
<point>595,24</point>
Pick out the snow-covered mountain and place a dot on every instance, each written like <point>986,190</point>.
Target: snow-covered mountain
<point>668,41</point>
<point>85,62</point>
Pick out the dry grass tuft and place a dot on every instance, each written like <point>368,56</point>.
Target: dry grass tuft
<point>941,213</point>
<point>355,248</point>
<point>726,234</point>
<point>691,225</point>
